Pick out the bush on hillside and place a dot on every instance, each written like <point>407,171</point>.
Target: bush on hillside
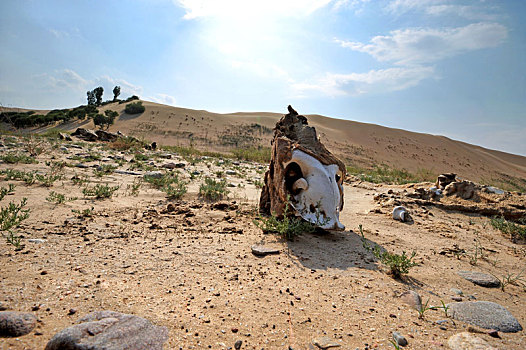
<point>134,108</point>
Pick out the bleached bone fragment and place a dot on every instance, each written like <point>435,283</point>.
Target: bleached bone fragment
<point>401,214</point>
<point>304,174</point>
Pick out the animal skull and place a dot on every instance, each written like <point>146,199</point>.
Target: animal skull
<point>315,190</point>
<point>303,174</point>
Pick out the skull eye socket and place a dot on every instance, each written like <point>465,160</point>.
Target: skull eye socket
<point>337,177</point>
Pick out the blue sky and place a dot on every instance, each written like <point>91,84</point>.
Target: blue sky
<point>454,68</point>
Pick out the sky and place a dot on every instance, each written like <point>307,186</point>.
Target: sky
<point>452,68</point>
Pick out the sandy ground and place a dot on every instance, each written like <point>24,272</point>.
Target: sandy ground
<point>190,268</point>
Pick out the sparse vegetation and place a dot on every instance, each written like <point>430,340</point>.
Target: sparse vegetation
<point>287,227</point>
<point>83,213</point>
<point>385,174</point>
<point>509,228</point>
<point>398,264</point>
<point>4,191</point>
<point>10,219</point>
<point>510,278</point>
<point>14,158</point>
<point>58,198</point>
<point>213,189</point>
<point>170,183</point>
<point>252,154</point>
<point>100,191</point>
<point>27,177</point>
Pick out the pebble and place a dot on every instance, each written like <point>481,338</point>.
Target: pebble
<point>484,314</point>
<point>412,299</point>
<point>479,278</point>
<point>456,298</point>
<point>467,341</point>
<point>230,172</point>
<point>153,174</point>
<point>37,240</point>
<point>127,172</point>
<point>16,324</point>
<point>399,339</point>
<point>261,250</point>
<point>456,291</point>
<point>325,343</point>
<point>238,344</point>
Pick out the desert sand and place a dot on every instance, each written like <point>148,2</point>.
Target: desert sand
<point>187,264</point>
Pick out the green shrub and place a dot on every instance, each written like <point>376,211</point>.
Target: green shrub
<point>509,228</point>
<point>10,219</point>
<point>388,175</point>
<point>5,191</point>
<point>253,154</point>
<point>58,198</point>
<point>174,187</point>
<point>398,264</point>
<point>129,99</point>
<point>48,179</point>
<point>27,177</point>
<point>134,108</point>
<point>100,191</point>
<point>212,189</point>
<point>287,227</point>
<point>14,158</point>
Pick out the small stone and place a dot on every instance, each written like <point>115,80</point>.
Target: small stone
<point>230,172</point>
<point>261,250</point>
<point>16,324</point>
<point>482,279</point>
<point>467,341</point>
<point>325,343</point>
<point>234,330</point>
<point>412,299</point>
<point>43,272</point>
<point>72,311</point>
<point>173,165</point>
<point>484,314</point>
<point>399,339</point>
<point>456,291</point>
<point>37,240</point>
<point>111,331</point>
<point>153,174</point>
<point>238,344</point>
<point>456,298</point>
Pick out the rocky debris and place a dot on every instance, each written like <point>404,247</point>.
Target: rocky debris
<point>85,134</point>
<point>65,137</point>
<point>401,214</point>
<point>445,179</point>
<point>37,240</point>
<point>467,341</point>
<point>127,172</point>
<point>494,190</point>
<point>399,339</point>
<point>238,344</point>
<point>153,174</point>
<point>223,205</point>
<point>3,306</point>
<point>106,136</point>
<point>230,172</point>
<point>16,324</point>
<point>462,189</point>
<point>456,291</point>
<point>482,279</point>
<point>261,250</point>
<point>412,299</point>
<point>110,330</point>
<point>173,165</point>
<point>485,314</point>
<point>325,343</point>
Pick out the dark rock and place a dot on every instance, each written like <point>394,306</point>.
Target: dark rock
<point>110,330</point>
<point>261,250</point>
<point>482,279</point>
<point>86,134</point>
<point>238,344</point>
<point>173,165</point>
<point>485,314</point>
<point>106,136</point>
<point>127,172</point>
<point>399,339</point>
<point>16,324</point>
<point>65,137</point>
<point>153,174</point>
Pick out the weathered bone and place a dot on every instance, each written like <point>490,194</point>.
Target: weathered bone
<point>303,172</point>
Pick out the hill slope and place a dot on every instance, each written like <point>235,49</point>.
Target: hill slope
<point>358,144</point>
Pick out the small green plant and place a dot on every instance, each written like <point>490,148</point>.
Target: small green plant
<point>169,183</point>
<point>83,213</point>
<point>287,227</point>
<point>10,219</point>
<point>79,181</point>
<point>394,343</point>
<point>100,191</point>
<point>478,252</point>
<point>27,177</point>
<point>398,264</point>
<point>14,158</point>
<point>509,228</point>
<point>5,191</point>
<point>175,190</point>
<point>134,187</point>
<point>48,179</point>
<point>444,307</point>
<point>259,184</point>
<point>423,308</point>
<point>104,169</point>
<point>213,189</point>
<point>58,198</point>
<point>510,278</point>
<point>140,157</point>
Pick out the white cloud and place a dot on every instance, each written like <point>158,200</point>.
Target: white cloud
<point>163,99</point>
<point>245,8</point>
<point>374,81</point>
<point>419,45</point>
<point>471,11</point>
<point>402,6</point>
